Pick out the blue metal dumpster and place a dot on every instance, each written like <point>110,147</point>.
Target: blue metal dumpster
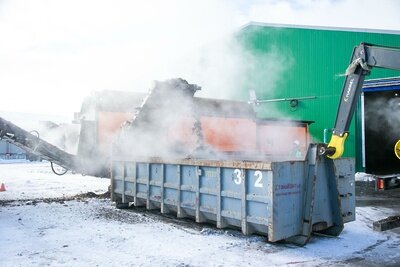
<point>284,200</point>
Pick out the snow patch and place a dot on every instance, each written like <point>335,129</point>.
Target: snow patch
<point>92,232</point>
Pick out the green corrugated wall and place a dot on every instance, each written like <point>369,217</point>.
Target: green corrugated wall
<point>309,63</point>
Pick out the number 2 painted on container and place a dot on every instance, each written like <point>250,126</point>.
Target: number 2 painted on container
<point>259,176</point>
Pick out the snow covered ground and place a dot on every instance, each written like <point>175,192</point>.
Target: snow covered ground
<point>44,222</point>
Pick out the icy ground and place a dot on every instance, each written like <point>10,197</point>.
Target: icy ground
<point>46,220</point>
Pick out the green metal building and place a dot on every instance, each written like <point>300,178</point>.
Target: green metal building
<point>307,62</point>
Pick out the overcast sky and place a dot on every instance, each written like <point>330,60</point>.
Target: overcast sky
<point>53,53</point>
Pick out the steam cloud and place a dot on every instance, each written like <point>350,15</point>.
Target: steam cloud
<point>383,117</point>
<point>55,52</point>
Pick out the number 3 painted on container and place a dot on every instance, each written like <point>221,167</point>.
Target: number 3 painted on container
<point>238,178</point>
<point>259,176</point>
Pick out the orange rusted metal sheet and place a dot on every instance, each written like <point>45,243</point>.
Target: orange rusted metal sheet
<point>108,124</point>
<point>229,134</point>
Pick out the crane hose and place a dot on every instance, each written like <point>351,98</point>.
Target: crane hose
<point>58,173</point>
